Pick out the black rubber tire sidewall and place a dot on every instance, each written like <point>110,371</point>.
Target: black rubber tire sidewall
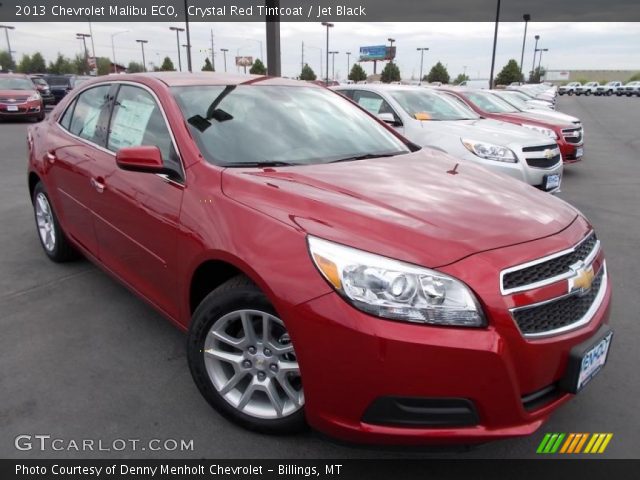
<point>236,294</point>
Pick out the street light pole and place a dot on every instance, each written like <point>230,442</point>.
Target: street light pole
<point>348,64</point>
<point>224,54</point>
<point>83,37</point>
<point>178,30</point>
<point>421,50</point>
<point>535,50</point>
<point>526,17</point>
<point>328,25</point>
<point>6,33</point>
<point>540,62</point>
<point>333,64</point>
<point>186,24</point>
<point>113,50</point>
<point>144,63</point>
<point>93,47</point>
<point>495,43</point>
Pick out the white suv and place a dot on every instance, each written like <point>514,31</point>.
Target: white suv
<point>631,88</point>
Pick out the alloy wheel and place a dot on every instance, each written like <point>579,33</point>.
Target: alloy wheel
<point>44,218</point>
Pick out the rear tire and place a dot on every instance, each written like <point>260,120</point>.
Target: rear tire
<point>249,376</point>
<point>53,240</point>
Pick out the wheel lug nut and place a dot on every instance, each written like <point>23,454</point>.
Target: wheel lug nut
<point>252,350</point>
<point>246,364</point>
<point>273,367</point>
<point>261,375</point>
<point>267,352</point>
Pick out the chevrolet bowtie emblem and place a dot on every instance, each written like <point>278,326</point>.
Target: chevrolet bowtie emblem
<point>582,281</point>
<point>549,154</point>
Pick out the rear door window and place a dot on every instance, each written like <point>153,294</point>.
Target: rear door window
<point>89,105</point>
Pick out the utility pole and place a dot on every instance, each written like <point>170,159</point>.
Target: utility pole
<point>144,63</point>
<point>540,63</point>
<point>348,64</point>
<point>178,30</point>
<point>526,17</point>
<point>495,42</point>
<point>83,37</point>
<point>113,50</point>
<point>213,59</point>
<point>186,24</point>
<point>333,64</point>
<point>421,50</point>
<point>224,53</point>
<point>93,47</point>
<point>302,57</point>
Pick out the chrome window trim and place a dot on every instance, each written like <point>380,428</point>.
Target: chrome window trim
<point>547,281</point>
<point>584,320</point>
<point>112,153</point>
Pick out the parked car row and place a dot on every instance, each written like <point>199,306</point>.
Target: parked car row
<point>328,269</point>
<point>594,88</point>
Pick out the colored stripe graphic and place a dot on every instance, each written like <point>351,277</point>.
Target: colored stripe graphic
<point>573,443</point>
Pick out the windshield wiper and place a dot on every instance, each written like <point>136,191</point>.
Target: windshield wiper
<point>259,164</point>
<point>366,156</point>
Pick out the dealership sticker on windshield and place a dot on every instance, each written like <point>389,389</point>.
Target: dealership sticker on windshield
<point>553,181</point>
<point>593,361</point>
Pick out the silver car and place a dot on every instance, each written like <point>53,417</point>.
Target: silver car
<point>434,119</point>
<point>514,98</point>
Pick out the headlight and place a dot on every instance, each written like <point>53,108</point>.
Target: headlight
<point>545,131</point>
<point>489,151</point>
<point>34,97</point>
<point>396,290</point>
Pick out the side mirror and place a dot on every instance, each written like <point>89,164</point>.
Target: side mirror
<point>388,118</point>
<point>141,159</point>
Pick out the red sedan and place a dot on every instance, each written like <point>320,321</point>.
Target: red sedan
<point>570,137</point>
<point>328,272</point>
<point>19,98</point>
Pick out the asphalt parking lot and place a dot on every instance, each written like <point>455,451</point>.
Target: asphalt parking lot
<point>83,358</point>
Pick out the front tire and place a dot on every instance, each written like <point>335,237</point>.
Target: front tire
<point>53,240</point>
<point>243,362</point>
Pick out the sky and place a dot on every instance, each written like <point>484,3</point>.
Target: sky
<point>460,46</point>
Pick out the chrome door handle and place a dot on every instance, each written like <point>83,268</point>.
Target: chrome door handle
<point>99,186</point>
<point>51,157</point>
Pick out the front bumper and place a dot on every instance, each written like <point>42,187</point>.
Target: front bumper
<point>22,110</point>
<point>351,360</point>
<point>570,151</point>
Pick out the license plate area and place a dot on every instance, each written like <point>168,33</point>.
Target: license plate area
<point>579,152</point>
<point>587,360</point>
<point>12,108</point>
<point>551,182</point>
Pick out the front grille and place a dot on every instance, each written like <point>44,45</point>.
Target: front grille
<point>536,157</point>
<point>550,268</point>
<point>572,135</point>
<point>558,313</point>
<point>12,100</point>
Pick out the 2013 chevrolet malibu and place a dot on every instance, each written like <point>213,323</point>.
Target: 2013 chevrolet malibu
<point>328,271</point>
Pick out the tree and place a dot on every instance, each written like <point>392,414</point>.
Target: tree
<point>167,65</point>
<point>61,65</point>
<point>38,64</point>
<point>460,78</point>
<point>634,78</point>
<point>6,62</point>
<point>207,67</point>
<point>25,64</point>
<point>537,74</point>
<point>357,73</point>
<point>390,73</point>
<point>134,67</point>
<point>438,73</point>
<point>258,68</point>
<point>510,73</point>
<point>79,65</point>
<point>104,66</point>
<point>307,73</point>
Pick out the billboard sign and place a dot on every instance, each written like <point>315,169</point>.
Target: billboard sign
<point>244,61</point>
<point>377,52</point>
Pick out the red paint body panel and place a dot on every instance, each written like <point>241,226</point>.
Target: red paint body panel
<point>153,234</point>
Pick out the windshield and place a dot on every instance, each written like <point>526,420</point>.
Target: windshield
<point>490,103</point>
<point>16,83</point>
<point>58,80</point>
<point>39,81</point>
<point>241,125</point>
<point>417,103</point>
<point>514,99</point>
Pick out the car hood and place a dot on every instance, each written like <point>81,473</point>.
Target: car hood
<point>555,116</point>
<point>425,207</point>
<point>487,130</point>
<point>17,93</point>
<point>537,119</point>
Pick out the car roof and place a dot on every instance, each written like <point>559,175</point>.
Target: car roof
<point>181,79</point>
<point>381,87</point>
<point>15,75</point>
